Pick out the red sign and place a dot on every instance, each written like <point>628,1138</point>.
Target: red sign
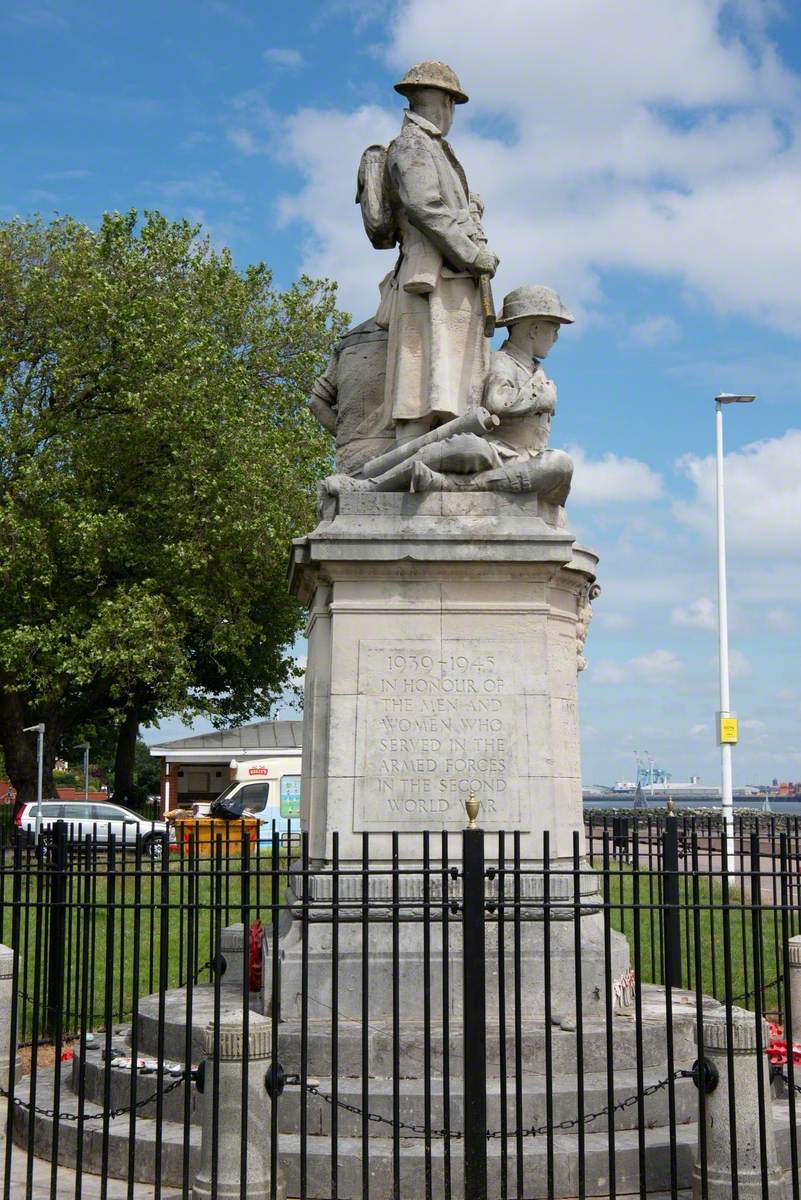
<point>258,770</point>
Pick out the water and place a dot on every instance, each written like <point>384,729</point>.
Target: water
<point>779,806</point>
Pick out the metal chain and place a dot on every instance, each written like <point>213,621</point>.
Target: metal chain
<point>763,987</point>
<point>414,1130</point>
<point>111,1114</point>
<point>534,1131</point>
<point>564,1126</point>
<point>378,1118</point>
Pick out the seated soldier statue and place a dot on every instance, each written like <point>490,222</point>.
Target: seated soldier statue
<point>512,454</point>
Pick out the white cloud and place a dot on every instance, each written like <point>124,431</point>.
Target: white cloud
<point>326,147</point>
<point>204,186</point>
<point>739,665</point>
<point>657,665</point>
<point>659,330</point>
<point>763,497</point>
<point>69,173</point>
<point>612,479</point>
<point>700,614</point>
<point>257,128</point>
<point>632,164</point>
<point>780,620</point>
<point>607,672</point>
<point>613,620</point>
<point>753,725</point>
<point>244,141</point>
<point>698,730</point>
<point>282,56</point>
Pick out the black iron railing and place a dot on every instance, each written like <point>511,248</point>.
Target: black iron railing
<point>449,1016</point>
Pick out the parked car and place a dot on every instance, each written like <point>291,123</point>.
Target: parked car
<point>99,821</point>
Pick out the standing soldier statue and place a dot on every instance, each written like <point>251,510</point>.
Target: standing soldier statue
<point>437,306</point>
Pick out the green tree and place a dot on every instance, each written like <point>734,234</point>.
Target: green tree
<point>156,459</point>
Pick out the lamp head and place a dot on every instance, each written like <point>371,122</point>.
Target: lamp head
<point>730,398</point>
<point>34,728</point>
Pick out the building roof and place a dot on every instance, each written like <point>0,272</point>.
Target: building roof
<point>263,737</point>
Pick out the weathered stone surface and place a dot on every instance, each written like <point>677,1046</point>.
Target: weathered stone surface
<point>437,718</point>
<point>220,1171</point>
<point>7,1032</point>
<point>751,1088</point>
<point>429,676</point>
<point>792,1018</point>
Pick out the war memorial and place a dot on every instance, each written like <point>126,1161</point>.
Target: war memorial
<point>448,608</point>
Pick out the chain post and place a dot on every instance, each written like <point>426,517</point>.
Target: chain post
<point>670,893</point>
<point>58,926</point>
<point>475,1013</point>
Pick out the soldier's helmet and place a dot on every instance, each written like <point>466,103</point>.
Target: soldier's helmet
<point>533,301</point>
<point>432,74</point>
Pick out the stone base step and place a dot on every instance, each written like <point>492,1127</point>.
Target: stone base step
<point>412,1092</point>
<point>564,1097</point>
<point>143,1169</point>
<point>180,1149</point>
<point>380,1047</point>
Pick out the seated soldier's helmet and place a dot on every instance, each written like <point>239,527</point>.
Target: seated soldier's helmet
<point>432,74</point>
<point>533,301</point>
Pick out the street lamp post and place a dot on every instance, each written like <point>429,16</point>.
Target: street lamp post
<point>39,731</point>
<point>727,722</point>
<point>85,747</point>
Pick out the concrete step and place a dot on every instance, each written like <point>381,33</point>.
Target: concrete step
<point>380,1037</point>
<point>349,1155</point>
<point>176,1008</point>
<point>564,1098</point>
<point>350,1159</point>
<point>533,1087</point>
<point>173,1138</point>
<point>95,1081</point>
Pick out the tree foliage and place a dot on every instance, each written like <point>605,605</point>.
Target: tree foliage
<point>156,459</point>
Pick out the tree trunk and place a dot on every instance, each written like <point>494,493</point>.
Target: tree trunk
<point>124,758</point>
<point>19,748</point>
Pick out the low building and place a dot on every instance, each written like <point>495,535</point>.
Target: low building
<point>196,769</point>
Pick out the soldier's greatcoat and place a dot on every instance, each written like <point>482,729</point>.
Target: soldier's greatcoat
<point>437,354</point>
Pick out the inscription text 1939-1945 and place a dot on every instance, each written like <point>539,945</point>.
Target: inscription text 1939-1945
<point>440,720</point>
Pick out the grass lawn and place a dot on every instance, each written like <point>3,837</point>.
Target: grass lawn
<point>755,935</point>
<point>127,933</point>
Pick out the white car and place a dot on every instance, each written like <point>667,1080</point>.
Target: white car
<point>98,821</point>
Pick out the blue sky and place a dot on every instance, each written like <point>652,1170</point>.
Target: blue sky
<point>640,155</point>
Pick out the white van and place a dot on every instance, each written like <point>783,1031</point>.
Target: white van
<point>265,788</point>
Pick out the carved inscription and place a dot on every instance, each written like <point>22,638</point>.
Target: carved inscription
<point>437,719</point>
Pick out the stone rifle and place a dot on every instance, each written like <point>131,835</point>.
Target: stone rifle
<point>476,420</point>
<point>487,305</point>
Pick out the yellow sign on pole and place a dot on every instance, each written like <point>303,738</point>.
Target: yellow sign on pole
<point>728,732</point>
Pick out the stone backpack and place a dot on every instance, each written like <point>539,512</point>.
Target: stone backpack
<point>372,195</point>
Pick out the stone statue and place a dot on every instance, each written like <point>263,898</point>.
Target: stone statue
<point>438,353</point>
<point>518,392</point>
<point>348,398</point>
<point>429,408</point>
<point>501,445</point>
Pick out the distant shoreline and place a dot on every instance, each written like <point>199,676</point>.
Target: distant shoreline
<point>787,805</point>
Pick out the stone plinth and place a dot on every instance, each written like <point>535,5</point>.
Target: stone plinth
<point>443,655</point>
<point>445,635</point>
